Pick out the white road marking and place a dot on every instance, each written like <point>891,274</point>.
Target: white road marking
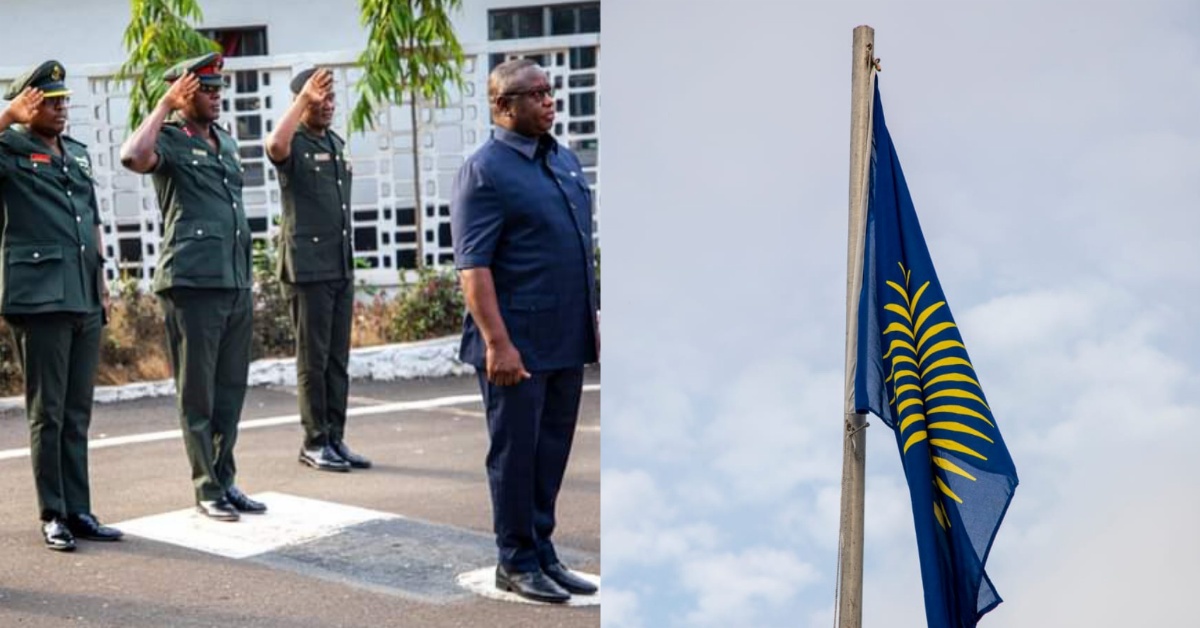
<point>483,582</point>
<point>287,419</point>
<point>289,520</point>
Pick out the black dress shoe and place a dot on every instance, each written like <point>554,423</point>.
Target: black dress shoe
<point>241,503</point>
<point>569,581</point>
<point>219,509</point>
<point>323,459</point>
<point>57,536</point>
<point>85,526</point>
<point>355,460</point>
<point>533,585</point>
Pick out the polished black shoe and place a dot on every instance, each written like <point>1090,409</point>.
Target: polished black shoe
<point>85,526</point>
<point>323,459</point>
<point>570,582</point>
<point>58,536</point>
<point>241,503</point>
<point>219,509</point>
<point>355,460</point>
<point>533,585</point>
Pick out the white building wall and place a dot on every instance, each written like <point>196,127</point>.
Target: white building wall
<point>299,33</point>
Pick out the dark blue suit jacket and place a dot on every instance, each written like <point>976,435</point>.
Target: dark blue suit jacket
<point>522,207</point>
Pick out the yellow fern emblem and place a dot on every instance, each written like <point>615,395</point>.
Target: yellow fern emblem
<point>935,396</point>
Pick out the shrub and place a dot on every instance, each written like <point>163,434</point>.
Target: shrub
<point>273,333</point>
<point>432,306</point>
<point>12,382</point>
<point>133,345</point>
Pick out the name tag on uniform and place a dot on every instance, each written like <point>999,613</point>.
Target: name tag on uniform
<point>321,157</point>
<point>39,158</point>
<point>200,152</point>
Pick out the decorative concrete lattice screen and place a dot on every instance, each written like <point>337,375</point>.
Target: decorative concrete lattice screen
<point>257,94</point>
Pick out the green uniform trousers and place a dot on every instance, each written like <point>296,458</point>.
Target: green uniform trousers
<point>59,352</point>
<point>322,313</point>
<point>209,334</point>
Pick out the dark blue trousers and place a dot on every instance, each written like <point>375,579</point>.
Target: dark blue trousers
<point>531,426</point>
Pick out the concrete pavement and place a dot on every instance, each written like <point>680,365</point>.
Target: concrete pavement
<point>426,501</point>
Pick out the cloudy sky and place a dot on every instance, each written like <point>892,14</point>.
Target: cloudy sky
<point>1053,154</point>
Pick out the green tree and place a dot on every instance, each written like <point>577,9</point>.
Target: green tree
<point>412,55</point>
<point>159,35</point>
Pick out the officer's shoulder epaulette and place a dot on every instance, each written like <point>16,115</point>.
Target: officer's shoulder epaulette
<point>337,137</point>
<point>74,142</point>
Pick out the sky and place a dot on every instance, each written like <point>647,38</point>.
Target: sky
<point>1052,150</point>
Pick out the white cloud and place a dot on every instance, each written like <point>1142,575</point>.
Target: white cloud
<point>1056,185</point>
<point>641,525</point>
<point>621,609</point>
<point>734,589</point>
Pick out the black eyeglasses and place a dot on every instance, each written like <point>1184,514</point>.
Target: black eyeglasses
<point>538,93</point>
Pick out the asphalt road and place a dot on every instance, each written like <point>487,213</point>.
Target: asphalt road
<point>428,468</point>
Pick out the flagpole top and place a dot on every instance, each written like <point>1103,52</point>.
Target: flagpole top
<point>872,60</point>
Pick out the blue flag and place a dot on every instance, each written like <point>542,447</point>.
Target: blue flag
<point>914,373</point>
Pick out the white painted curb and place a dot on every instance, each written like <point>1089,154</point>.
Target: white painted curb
<point>412,360</point>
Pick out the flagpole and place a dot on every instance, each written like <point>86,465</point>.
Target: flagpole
<point>854,447</point>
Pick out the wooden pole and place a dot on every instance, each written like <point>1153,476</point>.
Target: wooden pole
<point>854,448</point>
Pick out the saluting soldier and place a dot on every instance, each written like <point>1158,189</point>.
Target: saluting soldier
<point>203,277</point>
<point>53,295</point>
<point>316,264</point>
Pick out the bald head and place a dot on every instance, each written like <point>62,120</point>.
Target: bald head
<point>521,97</point>
<point>506,77</point>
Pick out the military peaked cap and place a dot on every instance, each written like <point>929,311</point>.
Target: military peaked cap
<point>47,76</point>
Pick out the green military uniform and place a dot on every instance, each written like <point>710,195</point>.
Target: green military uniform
<point>203,279</point>
<point>316,263</point>
<point>50,293</point>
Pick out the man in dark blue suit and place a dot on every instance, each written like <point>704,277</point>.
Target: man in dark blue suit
<point>521,222</point>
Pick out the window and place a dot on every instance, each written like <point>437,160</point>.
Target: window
<point>573,19</point>
<point>543,21</point>
<point>516,23</point>
<point>247,41</point>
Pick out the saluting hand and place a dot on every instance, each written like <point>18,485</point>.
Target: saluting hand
<point>22,108</point>
<point>317,86</point>
<point>181,91</point>
<point>504,366</point>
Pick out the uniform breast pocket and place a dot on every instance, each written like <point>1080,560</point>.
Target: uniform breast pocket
<point>536,317</point>
<point>35,275</point>
<point>199,250</point>
<point>44,171</point>
<point>316,252</point>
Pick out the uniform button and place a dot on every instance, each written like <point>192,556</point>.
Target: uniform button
<point>238,233</point>
<point>36,255</point>
<point>343,206</point>
<point>339,181</point>
<point>572,205</point>
<point>317,169</point>
<point>81,248</point>
<point>78,219</point>
<point>316,239</point>
<point>225,180</point>
<point>343,232</point>
<point>68,192</point>
<point>199,232</point>
<point>235,205</point>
